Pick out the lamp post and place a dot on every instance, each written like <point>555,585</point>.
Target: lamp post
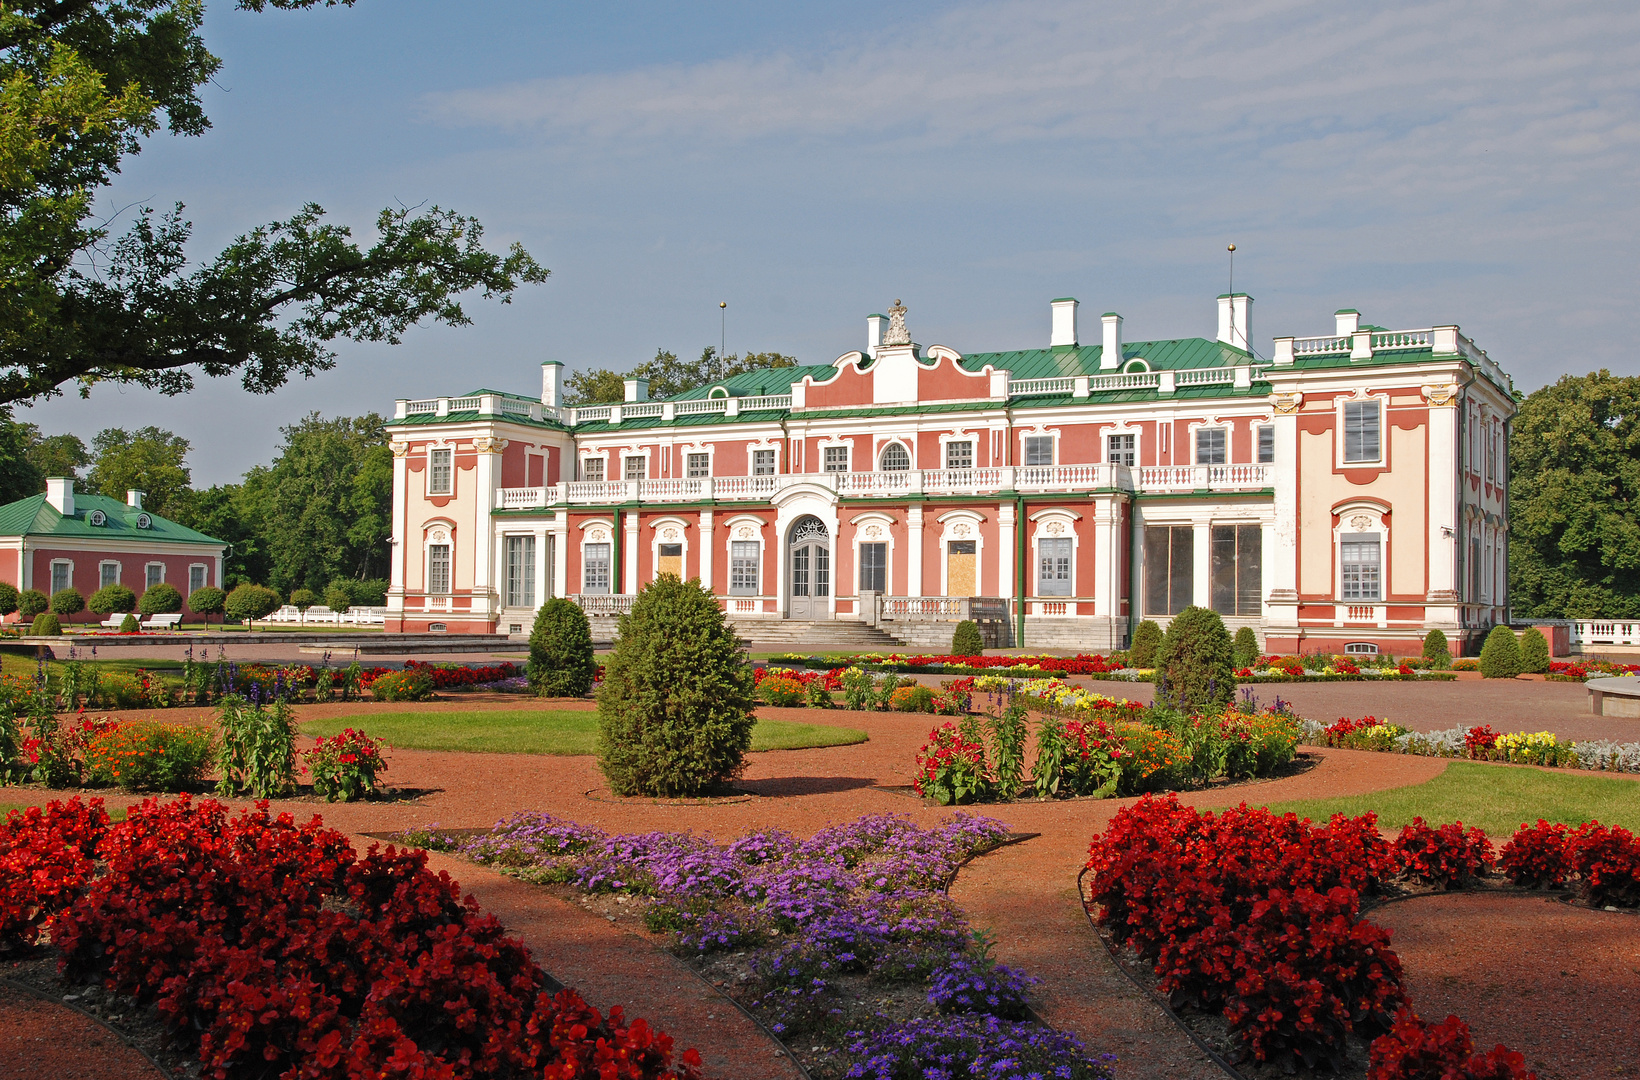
<point>723,322</point>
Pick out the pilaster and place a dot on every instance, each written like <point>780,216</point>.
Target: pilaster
<point>1281,536</point>
<point>914,556</point>
<point>629,561</point>
<point>707,544</point>
<point>1005,553</point>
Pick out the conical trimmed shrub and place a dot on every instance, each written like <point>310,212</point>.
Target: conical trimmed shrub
<point>1245,648</point>
<point>966,640</point>
<point>1500,655</point>
<point>1147,636</point>
<point>1436,650</point>
<point>1534,651</point>
<point>1193,663</point>
<point>561,661</point>
<point>675,711</point>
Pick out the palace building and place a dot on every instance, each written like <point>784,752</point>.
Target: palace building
<point>1346,494</point>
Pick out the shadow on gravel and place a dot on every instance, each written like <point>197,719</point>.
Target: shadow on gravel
<point>804,785</point>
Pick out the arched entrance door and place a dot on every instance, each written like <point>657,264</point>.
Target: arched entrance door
<point>809,566</point>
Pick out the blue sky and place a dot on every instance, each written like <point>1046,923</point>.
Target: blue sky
<point>1429,162</point>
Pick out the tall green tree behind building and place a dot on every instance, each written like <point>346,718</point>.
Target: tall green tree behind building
<point>150,460</point>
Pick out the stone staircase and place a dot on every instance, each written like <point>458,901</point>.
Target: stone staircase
<point>788,635</point>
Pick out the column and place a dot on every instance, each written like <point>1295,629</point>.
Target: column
<point>486,601</point>
<point>560,555</point>
<point>707,544</point>
<point>630,560</point>
<point>1281,536</point>
<point>1201,586</point>
<point>543,583</point>
<point>1446,524</point>
<point>914,552</point>
<point>1005,549</point>
<point>399,526</point>
<point>1107,556</point>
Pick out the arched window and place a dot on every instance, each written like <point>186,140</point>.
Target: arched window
<point>896,458</point>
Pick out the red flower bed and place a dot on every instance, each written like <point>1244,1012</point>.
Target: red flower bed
<point>829,680</point>
<point>282,952</point>
<point>1415,1050</point>
<point>1479,741</point>
<point>1345,726</point>
<point>1537,856</point>
<point>45,860</point>
<point>1607,860</point>
<point>452,678</point>
<point>1081,664</point>
<point>1447,856</point>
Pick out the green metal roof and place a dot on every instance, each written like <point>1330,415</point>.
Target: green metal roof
<point>470,415</point>
<point>1066,360</point>
<point>34,516</point>
<point>759,383</point>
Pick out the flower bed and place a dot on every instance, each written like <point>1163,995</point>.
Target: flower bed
<point>1088,665</point>
<point>845,941</point>
<point>274,948</point>
<point>1479,743</point>
<point>1568,671</point>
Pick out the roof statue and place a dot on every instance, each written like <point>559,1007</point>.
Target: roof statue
<point>897,333</point>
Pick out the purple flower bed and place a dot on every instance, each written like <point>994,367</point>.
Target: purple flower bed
<point>845,938</point>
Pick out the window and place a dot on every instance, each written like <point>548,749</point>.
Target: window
<point>874,566</point>
<point>1266,443</point>
<point>62,575</point>
<point>1039,449</point>
<point>896,458</point>
<point>1475,570</point>
<point>698,466</point>
<point>1361,431</point>
<point>1238,569</point>
<point>636,467</point>
<point>744,556</point>
<point>197,577</point>
<point>595,568</point>
<point>1122,451</point>
<point>762,462</point>
<point>836,459</point>
<point>1053,566</point>
<point>1358,557</point>
<point>1210,446</point>
<point>154,575</point>
<point>669,559</point>
<point>438,568</point>
<point>1366,647</point>
<point>592,469</point>
<point>959,455</point>
<point>1170,568</point>
<point>441,472</point>
<point>108,574</point>
<point>520,571</point>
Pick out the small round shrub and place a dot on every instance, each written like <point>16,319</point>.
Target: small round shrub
<point>112,599</point>
<point>675,712</point>
<point>966,640</point>
<point>781,691</point>
<point>128,625</point>
<point>45,625</point>
<point>1534,651</point>
<point>302,599</point>
<point>1193,663</point>
<point>1500,655</point>
<point>8,598</point>
<point>67,602</point>
<point>338,598</point>
<point>251,602</point>
<point>1147,638</point>
<point>161,599</point>
<point>916,698</point>
<point>207,601</point>
<point>412,685</point>
<point>561,662</point>
<point>1245,648</point>
<point>1436,650</point>
<point>31,602</point>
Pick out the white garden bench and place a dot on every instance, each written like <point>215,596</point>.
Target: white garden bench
<point>115,621</point>
<point>162,622</point>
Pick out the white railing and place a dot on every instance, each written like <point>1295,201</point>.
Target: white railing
<point>674,490</point>
<point>1133,380</point>
<point>1028,387</point>
<point>604,603</point>
<point>415,408</point>
<point>941,608</point>
<point>1212,376</point>
<point>949,480</point>
<point>525,498</point>
<point>595,491</point>
<point>1315,346</point>
<point>1070,477</point>
<point>1203,477</point>
<point>516,407</point>
<point>319,615</point>
<point>768,401</point>
<point>465,404</point>
<point>641,408</point>
<point>585,413</point>
<point>704,405</point>
<point>1402,339</point>
<point>746,487</point>
<point>892,482</point>
<point>1601,632</point>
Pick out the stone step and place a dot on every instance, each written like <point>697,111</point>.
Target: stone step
<point>816,635</point>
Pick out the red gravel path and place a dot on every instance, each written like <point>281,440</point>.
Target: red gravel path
<point>40,1040</point>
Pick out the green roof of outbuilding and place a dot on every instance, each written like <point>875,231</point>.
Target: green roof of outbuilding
<point>34,516</point>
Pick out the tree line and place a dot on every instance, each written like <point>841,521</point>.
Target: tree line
<point>668,376</point>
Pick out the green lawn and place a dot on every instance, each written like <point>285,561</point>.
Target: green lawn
<point>116,814</point>
<point>1497,798</point>
<point>505,731</point>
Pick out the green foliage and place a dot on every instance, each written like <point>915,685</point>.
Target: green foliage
<point>1009,731</point>
<point>1193,662</point>
<point>1245,648</point>
<point>675,710</point>
<point>1147,637</point>
<point>150,756</point>
<point>128,625</point>
<point>1534,651</point>
<point>1436,650</point>
<point>8,598</point>
<point>781,691</point>
<point>256,749</point>
<point>149,460</point>
<point>251,602</point>
<point>913,697</point>
<point>67,602</point>
<point>668,376</point>
<point>230,513</point>
<point>1574,500</point>
<point>819,696</point>
<point>857,687</point>
<point>207,601</point>
<point>336,598</point>
<point>31,602</point>
<point>561,662</point>
<point>112,598</point>
<point>161,599</point>
<point>1500,655</point>
<point>302,599</point>
<point>45,625</point>
<point>55,455</point>
<point>413,685</point>
<point>966,639</point>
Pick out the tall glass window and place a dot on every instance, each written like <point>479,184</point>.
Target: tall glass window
<point>1358,558</point>
<point>520,571</point>
<point>595,568</point>
<point>874,568</point>
<point>440,472</point>
<point>699,466</point>
<point>1361,441</point>
<point>959,454</point>
<point>1122,450</point>
<point>155,574</point>
<point>896,458</point>
<point>836,459</point>
<point>637,467</point>
<point>1210,446</point>
<point>438,568</point>
<point>1238,569</point>
<point>743,567</point>
<point>1170,568</point>
<point>1266,443</point>
<point>1039,449</point>
<point>62,575</point>
<point>110,574</point>
<point>196,579</point>
<point>1053,566</point>
<point>592,469</point>
<point>762,462</point>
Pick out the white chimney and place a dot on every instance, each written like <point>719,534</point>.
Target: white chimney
<point>1349,321</point>
<point>1064,323</point>
<point>874,333</point>
<point>133,498</point>
<point>1235,319</point>
<point>60,494</point>
<point>637,389</point>
<point>552,383</point>
<point>1111,358</point>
